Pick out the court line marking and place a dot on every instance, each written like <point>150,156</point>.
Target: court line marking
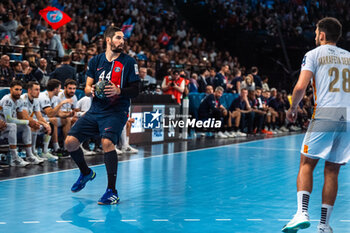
<point>128,220</point>
<point>98,220</point>
<point>254,219</point>
<point>63,221</point>
<point>345,220</point>
<point>223,220</point>
<point>160,220</point>
<point>191,220</point>
<point>157,156</point>
<point>31,222</point>
<point>268,148</point>
<point>2,223</point>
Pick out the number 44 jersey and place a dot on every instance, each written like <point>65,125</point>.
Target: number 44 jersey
<point>330,66</point>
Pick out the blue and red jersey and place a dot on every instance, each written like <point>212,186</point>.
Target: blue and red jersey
<point>122,72</point>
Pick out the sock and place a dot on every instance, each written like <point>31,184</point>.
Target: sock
<point>303,201</point>
<point>56,146</point>
<point>14,155</point>
<point>326,212</point>
<point>273,125</point>
<point>78,157</point>
<point>28,151</point>
<point>34,136</point>
<point>111,162</point>
<point>235,128</point>
<point>268,124</point>
<point>46,143</point>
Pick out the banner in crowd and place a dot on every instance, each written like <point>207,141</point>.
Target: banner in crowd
<point>127,28</point>
<point>54,17</point>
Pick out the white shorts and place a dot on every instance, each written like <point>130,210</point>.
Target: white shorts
<point>328,140</point>
<point>59,123</point>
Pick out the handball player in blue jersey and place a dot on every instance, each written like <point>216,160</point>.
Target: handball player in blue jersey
<point>107,115</point>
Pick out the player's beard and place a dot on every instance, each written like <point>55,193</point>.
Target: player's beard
<point>16,97</point>
<point>117,49</point>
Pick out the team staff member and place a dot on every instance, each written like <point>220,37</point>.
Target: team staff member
<point>105,117</point>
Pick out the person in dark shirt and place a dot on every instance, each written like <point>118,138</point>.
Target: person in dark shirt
<point>6,72</point>
<point>202,80</point>
<point>221,78</point>
<point>211,107</point>
<point>106,116</point>
<point>236,81</point>
<point>242,105</point>
<point>210,79</point>
<point>257,79</point>
<point>65,71</point>
<point>258,109</point>
<point>41,75</point>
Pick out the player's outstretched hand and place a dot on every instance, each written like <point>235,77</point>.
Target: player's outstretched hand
<point>292,114</point>
<point>111,90</point>
<point>47,128</point>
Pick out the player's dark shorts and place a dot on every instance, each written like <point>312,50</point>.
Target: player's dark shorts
<point>104,125</point>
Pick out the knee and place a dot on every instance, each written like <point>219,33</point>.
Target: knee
<point>71,143</point>
<point>107,144</point>
<point>331,168</point>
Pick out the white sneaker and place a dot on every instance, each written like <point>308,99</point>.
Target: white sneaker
<point>300,221</point>
<point>129,150</point>
<point>323,228</point>
<point>19,162</point>
<point>34,160</point>
<point>227,134</point>
<point>221,135</point>
<point>49,156</point>
<point>118,151</point>
<point>284,129</point>
<point>233,134</point>
<point>87,152</point>
<point>36,155</point>
<point>240,134</point>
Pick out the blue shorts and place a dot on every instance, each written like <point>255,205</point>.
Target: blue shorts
<point>104,125</point>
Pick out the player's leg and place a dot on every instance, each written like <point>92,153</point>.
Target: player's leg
<point>329,194</point>
<point>47,137</point>
<point>111,128</point>
<point>304,186</point>
<point>11,133</point>
<point>54,137</point>
<point>84,128</point>
<point>27,140</point>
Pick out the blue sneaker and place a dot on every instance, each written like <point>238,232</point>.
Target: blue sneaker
<point>109,198</point>
<point>82,180</point>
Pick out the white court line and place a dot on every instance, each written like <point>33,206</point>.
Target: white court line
<point>128,220</point>
<point>284,220</point>
<point>254,219</point>
<point>160,220</point>
<point>97,220</point>
<point>157,156</point>
<point>223,220</point>
<point>268,148</point>
<point>31,222</point>
<point>345,220</point>
<point>2,223</point>
<point>63,221</point>
<point>191,220</point>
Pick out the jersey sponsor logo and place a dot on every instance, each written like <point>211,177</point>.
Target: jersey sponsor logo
<point>98,69</point>
<point>117,69</point>
<point>8,103</point>
<point>108,128</point>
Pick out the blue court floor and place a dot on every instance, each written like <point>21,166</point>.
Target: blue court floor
<point>242,188</point>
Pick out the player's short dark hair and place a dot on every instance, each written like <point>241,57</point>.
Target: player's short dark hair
<point>235,71</point>
<point>202,70</point>
<point>31,84</point>
<point>70,82</point>
<point>331,27</point>
<point>52,84</point>
<point>65,58</point>
<point>16,83</point>
<point>110,31</point>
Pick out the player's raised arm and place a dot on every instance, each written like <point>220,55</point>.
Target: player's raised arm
<point>89,87</point>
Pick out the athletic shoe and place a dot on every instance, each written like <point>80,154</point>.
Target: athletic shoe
<point>264,131</point>
<point>49,156</point>
<point>19,162</point>
<point>300,221</point>
<point>284,129</point>
<point>40,158</point>
<point>323,228</point>
<point>118,151</point>
<point>87,152</point>
<point>129,150</point>
<point>109,198</point>
<point>233,134</point>
<point>227,134</point>
<point>61,153</point>
<point>221,135</point>
<point>240,134</point>
<point>34,160</point>
<point>82,180</point>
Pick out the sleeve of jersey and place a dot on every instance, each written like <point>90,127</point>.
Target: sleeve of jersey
<point>91,68</point>
<point>44,103</point>
<point>9,119</point>
<point>309,61</point>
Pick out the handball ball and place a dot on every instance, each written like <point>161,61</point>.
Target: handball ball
<point>100,89</point>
